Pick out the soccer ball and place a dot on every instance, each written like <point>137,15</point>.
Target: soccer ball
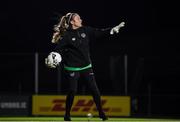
<point>89,115</point>
<point>53,59</point>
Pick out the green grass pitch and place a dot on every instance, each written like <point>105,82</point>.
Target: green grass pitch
<point>81,119</point>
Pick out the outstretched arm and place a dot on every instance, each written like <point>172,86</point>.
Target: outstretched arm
<point>105,32</point>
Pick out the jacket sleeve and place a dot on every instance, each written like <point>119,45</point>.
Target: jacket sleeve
<point>60,46</point>
<point>98,33</point>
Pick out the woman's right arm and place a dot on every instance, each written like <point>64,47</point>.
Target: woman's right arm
<point>60,46</point>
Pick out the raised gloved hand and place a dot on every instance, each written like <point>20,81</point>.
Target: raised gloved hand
<point>117,28</point>
<point>53,60</point>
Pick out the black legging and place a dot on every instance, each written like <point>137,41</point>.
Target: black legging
<point>73,77</point>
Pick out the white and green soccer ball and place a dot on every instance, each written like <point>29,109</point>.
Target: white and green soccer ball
<point>89,115</point>
<point>53,60</point>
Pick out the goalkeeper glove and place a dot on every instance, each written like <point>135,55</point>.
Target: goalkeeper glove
<point>117,28</point>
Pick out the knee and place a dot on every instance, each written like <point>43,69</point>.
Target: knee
<point>95,92</point>
<point>72,92</point>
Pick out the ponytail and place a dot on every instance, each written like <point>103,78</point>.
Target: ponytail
<point>62,27</point>
<point>59,29</point>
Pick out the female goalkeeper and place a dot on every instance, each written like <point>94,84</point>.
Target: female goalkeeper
<point>72,39</point>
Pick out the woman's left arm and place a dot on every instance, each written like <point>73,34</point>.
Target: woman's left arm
<point>105,32</point>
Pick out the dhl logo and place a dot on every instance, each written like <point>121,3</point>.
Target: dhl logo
<point>55,105</point>
<point>82,105</point>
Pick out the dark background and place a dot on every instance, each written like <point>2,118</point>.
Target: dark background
<point>149,39</point>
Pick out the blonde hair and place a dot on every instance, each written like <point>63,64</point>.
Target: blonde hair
<point>61,27</point>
